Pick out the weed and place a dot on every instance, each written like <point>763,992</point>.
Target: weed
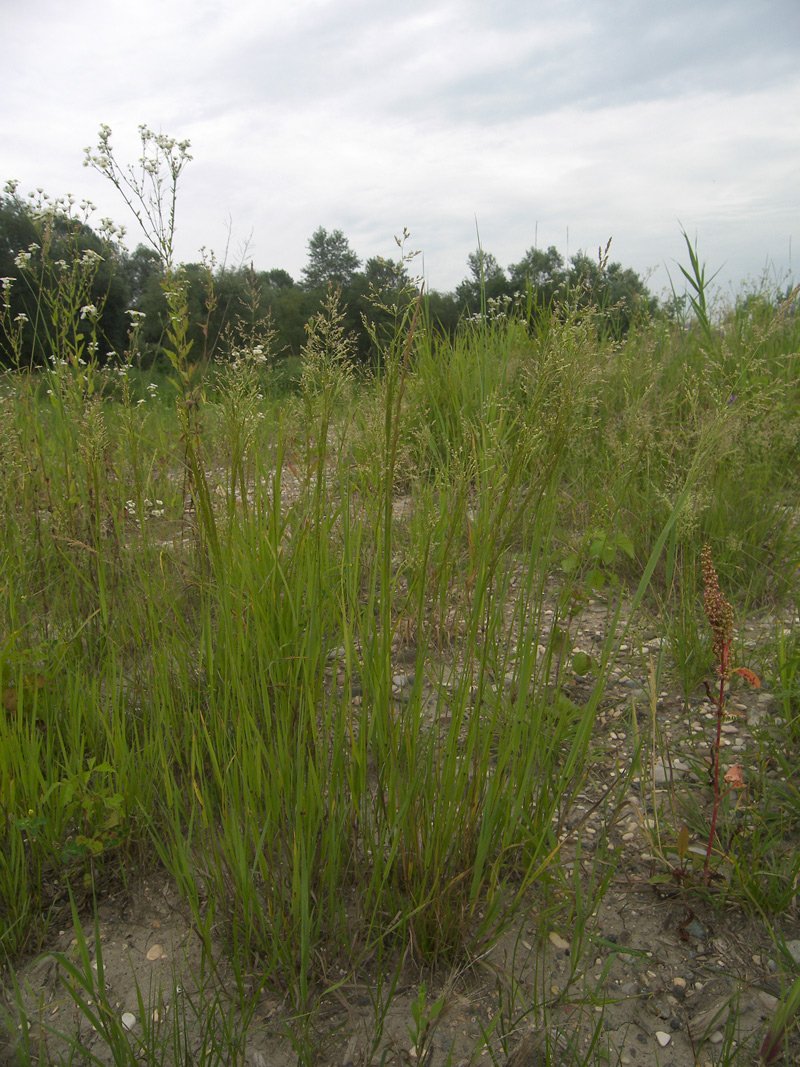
<point>720,618</point>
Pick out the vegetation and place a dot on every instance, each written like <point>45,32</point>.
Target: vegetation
<point>208,583</point>
<point>215,292</point>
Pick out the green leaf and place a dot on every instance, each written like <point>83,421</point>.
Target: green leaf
<point>596,580</point>
<point>582,663</point>
<point>625,544</point>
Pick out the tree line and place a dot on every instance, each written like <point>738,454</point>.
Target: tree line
<point>217,294</point>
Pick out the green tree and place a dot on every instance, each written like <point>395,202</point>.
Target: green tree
<point>385,275</point>
<point>331,260</point>
<point>442,312</point>
<point>540,271</point>
<point>59,240</point>
<point>487,281</point>
<point>277,279</point>
<point>140,268</point>
<point>618,292</point>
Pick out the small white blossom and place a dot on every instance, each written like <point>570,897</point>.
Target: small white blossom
<point>89,311</point>
<point>21,317</point>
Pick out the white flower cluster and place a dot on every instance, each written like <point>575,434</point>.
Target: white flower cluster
<point>22,259</point>
<point>154,509</point>
<point>249,357</point>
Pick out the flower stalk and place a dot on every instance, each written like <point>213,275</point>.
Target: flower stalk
<point>719,613</point>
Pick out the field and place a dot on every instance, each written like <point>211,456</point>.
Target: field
<point>399,718</point>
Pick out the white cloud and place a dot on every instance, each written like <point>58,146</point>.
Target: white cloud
<point>601,118</point>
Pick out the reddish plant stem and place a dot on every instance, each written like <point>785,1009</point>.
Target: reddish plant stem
<point>723,675</point>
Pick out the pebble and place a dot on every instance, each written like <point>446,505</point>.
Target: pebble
<point>128,1020</point>
<point>696,929</point>
<point>663,1038</point>
<point>558,941</point>
<point>407,655</point>
<point>661,774</point>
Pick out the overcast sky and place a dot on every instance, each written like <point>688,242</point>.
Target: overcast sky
<point>563,122</point>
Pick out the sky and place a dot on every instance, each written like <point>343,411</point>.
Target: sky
<point>516,123</point>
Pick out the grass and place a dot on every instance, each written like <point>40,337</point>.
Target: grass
<point>206,591</point>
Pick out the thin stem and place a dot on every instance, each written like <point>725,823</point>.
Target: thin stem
<point>723,674</point>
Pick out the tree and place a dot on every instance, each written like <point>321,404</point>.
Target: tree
<point>618,292</point>
<point>277,278</point>
<point>487,282</point>
<point>542,271</point>
<point>139,269</point>
<point>384,275</point>
<point>330,260</point>
<point>58,243</point>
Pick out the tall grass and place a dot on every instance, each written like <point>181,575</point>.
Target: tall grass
<point>205,603</point>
